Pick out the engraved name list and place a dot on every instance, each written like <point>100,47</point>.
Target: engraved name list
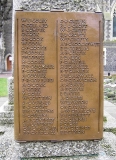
<point>58,76</point>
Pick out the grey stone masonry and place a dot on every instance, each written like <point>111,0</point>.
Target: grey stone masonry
<point>7,37</point>
<point>8,27</point>
<point>8,107</point>
<point>11,90</point>
<point>4,121</point>
<point>6,111</point>
<point>6,30</point>
<point>110,56</point>
<point>64,148</point>
<point>66,5</point>
<point>1,60</point>
<point>7,114</point>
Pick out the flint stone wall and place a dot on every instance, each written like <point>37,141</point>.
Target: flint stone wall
<point>110,56</point>
<point>6,29</point>
<point>1,60</point>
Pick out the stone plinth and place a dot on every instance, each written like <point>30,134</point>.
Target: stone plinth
<point>58,149</point>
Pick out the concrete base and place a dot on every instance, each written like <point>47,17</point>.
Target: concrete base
<point>58,149</point>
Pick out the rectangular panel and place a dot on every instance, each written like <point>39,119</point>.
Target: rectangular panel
<point>58,76</point>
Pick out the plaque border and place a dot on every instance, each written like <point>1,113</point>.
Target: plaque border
<point>18,135</point>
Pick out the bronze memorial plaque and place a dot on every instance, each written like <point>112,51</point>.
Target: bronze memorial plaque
<point>58,76</point>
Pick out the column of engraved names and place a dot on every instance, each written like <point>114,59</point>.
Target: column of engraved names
<point>74,72</point>
<point>36,119</point>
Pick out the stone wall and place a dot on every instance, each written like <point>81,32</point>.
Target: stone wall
<point>110,56</point>
<point>66,5</point>
<point>6,28</point>
<point>1,60</point>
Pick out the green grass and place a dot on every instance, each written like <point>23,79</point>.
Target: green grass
<point>113,130</point>
<point>3,87</point>
<point>104,119</point>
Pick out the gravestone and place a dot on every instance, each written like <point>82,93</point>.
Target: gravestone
<point>58,76</point>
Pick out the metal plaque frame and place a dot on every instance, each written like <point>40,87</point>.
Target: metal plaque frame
<point>58,76</point>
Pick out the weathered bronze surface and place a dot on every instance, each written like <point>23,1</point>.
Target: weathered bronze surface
<point>58,76</point>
